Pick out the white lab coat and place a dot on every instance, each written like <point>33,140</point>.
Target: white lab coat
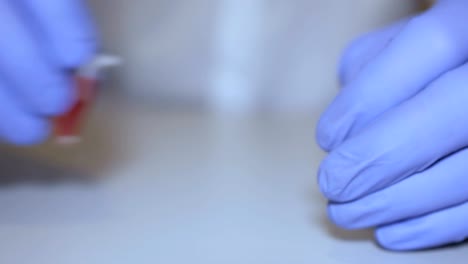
<point>236,55</point>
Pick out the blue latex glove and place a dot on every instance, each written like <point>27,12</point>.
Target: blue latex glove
<point>397,132</point>
<point>41,42</point>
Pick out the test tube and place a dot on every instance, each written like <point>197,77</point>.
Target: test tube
<point>67,126</point>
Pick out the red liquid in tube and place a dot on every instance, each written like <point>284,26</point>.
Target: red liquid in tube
<point>67,127</point>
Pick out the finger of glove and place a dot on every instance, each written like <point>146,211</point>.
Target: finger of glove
<point>437,229</point>
<point>42,88</point>
<point>364,49</point>
<point>439,187</point>
<point>67,29</point>
<point>404,141</point>
<point>401,70</point>
<point>18,126</point>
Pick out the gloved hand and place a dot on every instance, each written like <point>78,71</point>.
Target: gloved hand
<point>398,132</point>
<point>41,42</point>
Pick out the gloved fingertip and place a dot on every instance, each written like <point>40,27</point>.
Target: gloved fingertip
<point>55,98</point>
<point>329,134</point>
<point>388,240</point>
<point>348,216</point>
<point>323,139</point>
<point>350,60</point>
<point>340,178</point>
<point>335,125</point>
<point>399,237</point>
<point>27,131</point>
<point>323,181</point>
<point>338,219</point>
<point>330,184</point>
<point>77,52</point>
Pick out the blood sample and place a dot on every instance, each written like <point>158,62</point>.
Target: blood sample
<point>67,126</point>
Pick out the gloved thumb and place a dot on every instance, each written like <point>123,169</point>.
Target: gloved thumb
<point>67,27</point>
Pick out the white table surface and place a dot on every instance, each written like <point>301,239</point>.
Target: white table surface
<point>150,186</point>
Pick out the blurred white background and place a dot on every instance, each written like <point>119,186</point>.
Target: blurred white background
<point>237,54</point>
